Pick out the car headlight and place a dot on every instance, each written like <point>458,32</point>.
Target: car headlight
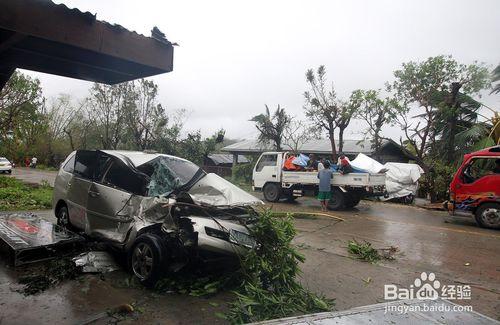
<point>241,238</point>
<point>212,232</point>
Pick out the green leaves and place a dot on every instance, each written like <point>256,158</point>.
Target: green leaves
<point>363,251</point>
<point>270,288</point>
<point>272,127</point>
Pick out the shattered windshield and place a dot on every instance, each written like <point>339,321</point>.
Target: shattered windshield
<point>168,174</point>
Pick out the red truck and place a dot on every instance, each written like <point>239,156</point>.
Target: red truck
<point>475,188</point>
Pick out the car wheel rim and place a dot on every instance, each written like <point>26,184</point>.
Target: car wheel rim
<point>491,216</point>
<point>142,261</point>
<point>63,217</point>
<point>272,193</point>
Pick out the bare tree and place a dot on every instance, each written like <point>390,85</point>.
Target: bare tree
<point>59,115</point>
<point>145,116</point>
<point>297,133</point>
<point>376,112</point>
<point>325,110</point>
<point>107,111</point>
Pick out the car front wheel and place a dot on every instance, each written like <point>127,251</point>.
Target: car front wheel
<point>62,215</point>
<point>488,215</point>
<point>146,258</point>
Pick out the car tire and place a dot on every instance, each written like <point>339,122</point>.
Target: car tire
<point>9,171</point>
<point>338,200</point>
<point>62,215</point>
<point>146,259</point>
<point>488,215</point>
<point>272,192</point>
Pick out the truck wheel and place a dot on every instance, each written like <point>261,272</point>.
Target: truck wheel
<point>352,199</point>
<point>272,192</point>
<point>146,259</point>
<point>488,215</point>
<point>337,202</point>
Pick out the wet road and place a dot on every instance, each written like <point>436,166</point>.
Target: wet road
<point>458,252</point>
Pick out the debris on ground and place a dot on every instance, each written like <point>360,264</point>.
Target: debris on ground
<point>96,262</point>
<point>193,285</point>
<point>115,315</point>
<point>388,253</point>
<point>433,206</point>
<point>364,251</point>
<point>41,277</point>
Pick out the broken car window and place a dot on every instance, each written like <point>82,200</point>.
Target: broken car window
<point>103,163</point>
<point>85,163</point>
<point>122,177</point>
<point>168,174</point>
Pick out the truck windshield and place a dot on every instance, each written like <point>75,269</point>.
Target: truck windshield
<point>478,168</point>
<point>266,160</point>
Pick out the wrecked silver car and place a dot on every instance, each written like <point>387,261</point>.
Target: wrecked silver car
<point>162,210</point>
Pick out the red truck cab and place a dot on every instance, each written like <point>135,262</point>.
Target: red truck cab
<point>475,188</point>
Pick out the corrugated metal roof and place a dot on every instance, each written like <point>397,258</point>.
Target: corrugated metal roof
<point>225,158</point>
<point>321,146</point>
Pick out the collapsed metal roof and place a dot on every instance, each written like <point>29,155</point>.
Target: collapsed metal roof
<point>42,36</point>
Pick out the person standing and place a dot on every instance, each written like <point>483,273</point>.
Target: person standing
<point>33,162</point>
<point>325,188</point>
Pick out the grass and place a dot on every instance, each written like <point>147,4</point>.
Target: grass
<point>16,195</point>
<point>48,168</point>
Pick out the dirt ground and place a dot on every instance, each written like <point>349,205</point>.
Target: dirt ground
<point>458,252</point>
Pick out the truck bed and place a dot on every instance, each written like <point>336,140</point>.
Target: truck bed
<point>351,179</point>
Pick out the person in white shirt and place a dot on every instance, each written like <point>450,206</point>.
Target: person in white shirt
<point>33,162</point>
<point>321,164</point>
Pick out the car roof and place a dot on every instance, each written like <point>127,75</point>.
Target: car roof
<point>138,158</point>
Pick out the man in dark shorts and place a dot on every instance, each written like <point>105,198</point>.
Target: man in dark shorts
<point>325,187</point>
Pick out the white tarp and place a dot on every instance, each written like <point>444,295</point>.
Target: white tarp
<point>401,179</point>
<point>364,162</point>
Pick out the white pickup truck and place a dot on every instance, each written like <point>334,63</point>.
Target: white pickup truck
<point>276,183</point>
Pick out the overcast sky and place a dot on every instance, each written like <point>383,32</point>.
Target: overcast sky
<point>236,56</point>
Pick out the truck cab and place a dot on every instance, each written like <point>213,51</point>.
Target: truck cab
<point>475,188</point>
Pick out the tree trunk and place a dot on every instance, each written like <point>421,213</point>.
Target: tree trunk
<point>334,149</point>
<point>454,107</point>
<point>341,139</point>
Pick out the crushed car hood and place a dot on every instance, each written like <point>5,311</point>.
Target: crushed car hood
<point>215,190</point>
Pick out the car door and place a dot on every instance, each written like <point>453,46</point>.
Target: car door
<point>108,195</point>
<point>266,170</point>
<point>78,186</point>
